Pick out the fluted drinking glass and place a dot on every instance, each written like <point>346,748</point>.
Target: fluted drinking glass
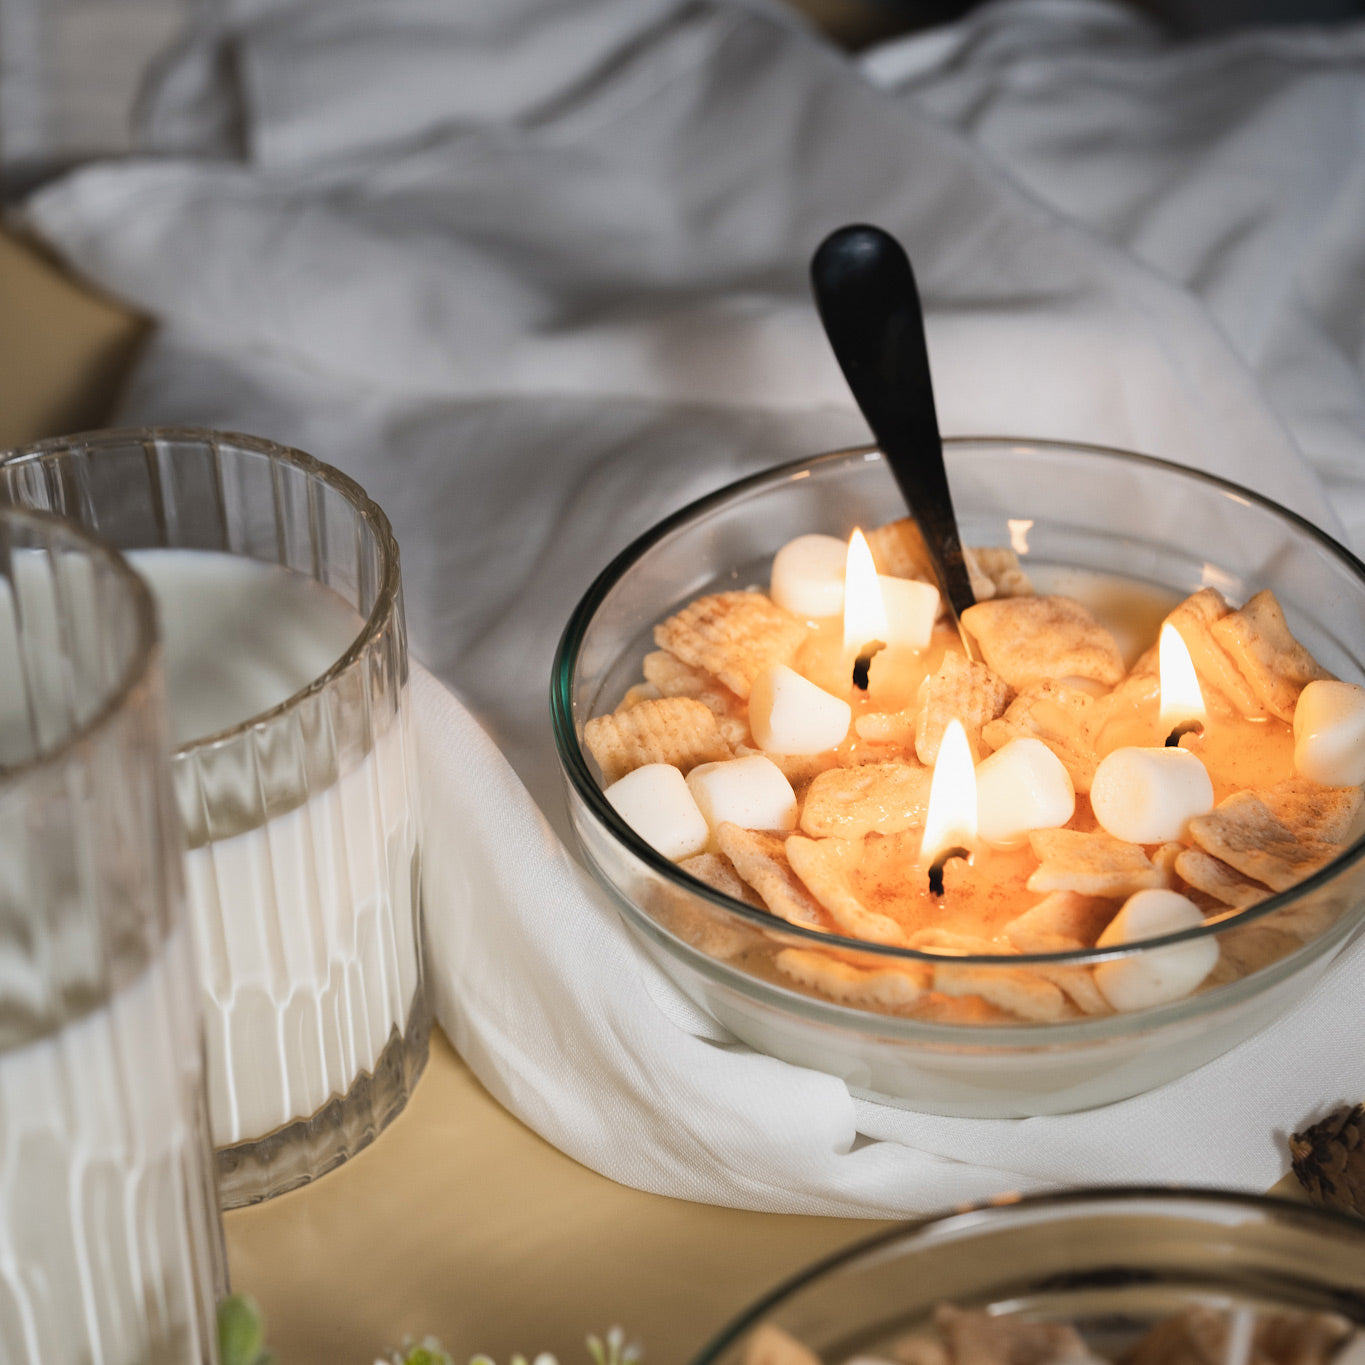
<point>110,1243</point>
<point>278,584</point>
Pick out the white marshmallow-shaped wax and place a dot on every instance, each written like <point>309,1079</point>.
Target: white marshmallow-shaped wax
<point>911,609</point>
<point>655,802</point>
<point>1146,795</point>
<point>1155,976</point>
<point>808,576</point>
<point>1022,786</point>
<point>789,714</point>
<point>1329,733</point>
<point>751,791</point>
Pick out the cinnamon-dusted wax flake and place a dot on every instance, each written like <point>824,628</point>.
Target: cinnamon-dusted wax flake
<point>1242,832</point>
<point>1000,567</point>
<point>898,550</point>
<point>760,858</point>
<point>733,635</point>
<point>1078,985</point>
<point>962,690</point>
<point>1275,665</point>
<point>1095,864</point>
<point>951,944</point>
<point>770,1345</point>
<point>888,727</point>
<point>884,798</point>
<point>1217,880</point>
<point>885,988</point>
<point>635,695</point>
<point>1310,809</point>
<point>718,872</point>
<point>670,677</point>
<point>825,867</point>
<point>1063,717</point>
<point>1201,1334</point>
<point>1025,639</point>
<point>1220,681</point>
<point>1246,948</point>
<point>676,730</point>
<point>1016,990</point>
<point>1062,922</point>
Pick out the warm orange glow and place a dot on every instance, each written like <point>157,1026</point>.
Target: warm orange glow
<point>951,818</point>
<point>864,611</point>
<point>1181,699</point>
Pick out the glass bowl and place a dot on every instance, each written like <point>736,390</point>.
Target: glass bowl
<point>1063,507</point>
<point>1110,1263</point>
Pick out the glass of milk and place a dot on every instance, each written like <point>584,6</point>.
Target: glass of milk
<point>277,583</point>
<point>110,1241</point>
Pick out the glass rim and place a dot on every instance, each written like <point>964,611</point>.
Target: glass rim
<point>987,1214</point>
<point>371,514</point>
<point>574,764</point>
<point>142,658</point>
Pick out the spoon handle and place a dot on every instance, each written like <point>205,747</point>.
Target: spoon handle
<point>866,296</point>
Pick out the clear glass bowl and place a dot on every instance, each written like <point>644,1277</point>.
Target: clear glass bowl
<point>1065,507</point>
<point>1111,1263</point>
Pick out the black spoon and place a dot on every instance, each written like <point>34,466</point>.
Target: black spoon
<point>866,296</point>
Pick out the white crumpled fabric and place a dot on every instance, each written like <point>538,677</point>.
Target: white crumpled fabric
<point>536,276</point>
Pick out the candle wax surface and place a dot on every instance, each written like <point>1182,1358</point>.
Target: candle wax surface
<point>239,636</point>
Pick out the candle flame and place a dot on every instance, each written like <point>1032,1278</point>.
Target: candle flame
<point>1181,699</point>
<point>864,610</point>
<point>951,818</point>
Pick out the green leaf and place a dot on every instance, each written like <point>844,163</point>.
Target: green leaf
<point>241,1332</point>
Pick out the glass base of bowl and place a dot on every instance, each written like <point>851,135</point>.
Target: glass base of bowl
<point>300,1152</point>
<point>1016,1072</point>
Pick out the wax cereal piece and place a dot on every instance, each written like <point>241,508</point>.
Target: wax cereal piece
<point>789,714</point>
<point>885,988</point>
<point>962,689</point>
<point>1158,975</point>
<point>1078,985</point>
<point>1018,991</point>
<point>676,730</point>
<point>1062,922</point>
<point>760,858</point>
<point>1095,864</point>
<point>1219,676</point>
<point>1247,948</point>
<point>770,1345</point>
<point>1062,716</point>
<point>1275,665</point>
<point>1003,1339</point>
<point>673,678</point>
<point>655,802</point>
<point>888,727</point>
<point>1244,833</point>
<point>1204,1333</point>
<point>1329,733</point>
<point>635,695</point>
<point>898,551</point>
<point>751,791</point>
<point>733,635</point>
<point>798,769</point>
<point>1025,639</point>
<point>808,576</point>
<point>718,872</point>
<point>998,565</point>
<point>825,867</point>
<point>1214,878</point>
<point>884,798</point>
<point>950,943</point>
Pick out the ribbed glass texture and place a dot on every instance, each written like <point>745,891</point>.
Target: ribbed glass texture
<point>110,1244</point>
<point>301,818</point>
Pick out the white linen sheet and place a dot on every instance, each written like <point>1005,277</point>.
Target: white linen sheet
<point>536,276</point>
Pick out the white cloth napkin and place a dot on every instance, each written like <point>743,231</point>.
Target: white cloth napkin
<point>533,315</point>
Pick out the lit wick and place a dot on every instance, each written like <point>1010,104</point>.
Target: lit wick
<point>950,822</point>
<point>1182,703</point>
<point>863,662</point>
<point>865,628</point>
<point>939,863</point>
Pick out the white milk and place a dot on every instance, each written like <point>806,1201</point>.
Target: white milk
<point>303,926</point>
<point>97,1261</point>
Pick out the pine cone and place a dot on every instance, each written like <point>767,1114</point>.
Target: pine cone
<point>1329,1160</point>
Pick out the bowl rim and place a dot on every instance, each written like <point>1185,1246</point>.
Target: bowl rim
<point>574,764</point>
<point>989,1213</point>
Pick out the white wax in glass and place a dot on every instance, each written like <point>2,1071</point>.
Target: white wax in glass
<point>304,926</point>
